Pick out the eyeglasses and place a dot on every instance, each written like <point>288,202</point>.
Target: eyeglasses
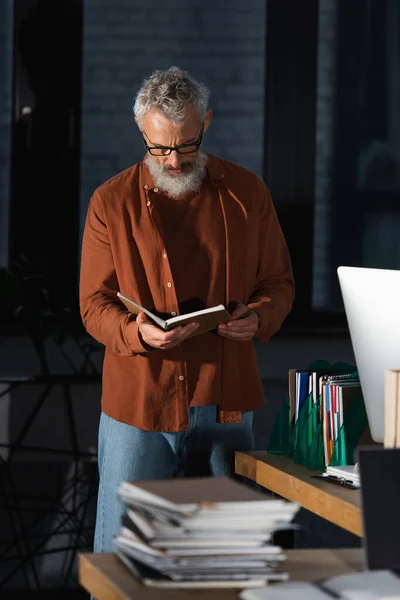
<point>181,149</point>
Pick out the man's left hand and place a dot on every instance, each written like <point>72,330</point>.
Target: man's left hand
<point>243,326</point>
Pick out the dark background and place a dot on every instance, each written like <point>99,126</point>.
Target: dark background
<point>305,94</point>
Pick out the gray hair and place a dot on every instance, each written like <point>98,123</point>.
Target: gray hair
<point>170,92</point>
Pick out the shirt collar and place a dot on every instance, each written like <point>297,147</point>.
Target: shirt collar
<point>215,172</point>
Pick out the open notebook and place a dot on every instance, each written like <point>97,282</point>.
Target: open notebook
<point>209,318</point>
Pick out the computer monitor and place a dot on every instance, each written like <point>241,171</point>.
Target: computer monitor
<point>372,303</point>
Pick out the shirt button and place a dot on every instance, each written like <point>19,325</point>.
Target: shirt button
<point>156,190</point>
<point>164,255</point>
<point>173,313</point>
<point>148,203</point>
<point>146,187</point>
<point>181,378</point>
<point>169,284</point>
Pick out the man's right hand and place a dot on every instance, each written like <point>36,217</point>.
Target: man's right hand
<point>164,340</point>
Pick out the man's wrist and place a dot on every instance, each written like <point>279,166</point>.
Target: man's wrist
<point>259,318</point>
<point>145,345</point>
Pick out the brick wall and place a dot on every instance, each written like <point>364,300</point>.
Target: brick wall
<point>219,42</point>
<point>5,121</point>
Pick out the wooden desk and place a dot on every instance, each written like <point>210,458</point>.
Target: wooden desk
<point>106,578</point>
<point>283,477</point>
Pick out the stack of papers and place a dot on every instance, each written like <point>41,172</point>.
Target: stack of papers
<point>208,532</point>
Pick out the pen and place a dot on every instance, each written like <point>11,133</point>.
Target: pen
<point>337,480</point>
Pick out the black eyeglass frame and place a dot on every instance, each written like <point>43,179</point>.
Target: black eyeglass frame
<point>197,143</point>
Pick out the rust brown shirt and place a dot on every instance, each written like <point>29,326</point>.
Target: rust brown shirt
<point>127,247</point>
<point>198,271</point>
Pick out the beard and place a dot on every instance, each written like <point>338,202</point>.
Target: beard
<point>178,186</point>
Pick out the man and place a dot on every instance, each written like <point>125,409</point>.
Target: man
<point>180,231</point>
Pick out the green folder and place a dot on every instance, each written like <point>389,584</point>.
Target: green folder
<point>279,441</point>
<point>302,432</point>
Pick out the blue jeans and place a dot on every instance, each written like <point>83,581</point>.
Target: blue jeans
<point>128,454</point>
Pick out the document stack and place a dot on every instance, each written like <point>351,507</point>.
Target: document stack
<point>206,532</point>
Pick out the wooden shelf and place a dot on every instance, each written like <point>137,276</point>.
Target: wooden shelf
<point>281,475</point>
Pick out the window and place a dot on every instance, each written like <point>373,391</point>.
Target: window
<point>333,123</point>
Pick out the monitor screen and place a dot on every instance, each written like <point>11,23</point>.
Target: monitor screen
<point>372,303</point>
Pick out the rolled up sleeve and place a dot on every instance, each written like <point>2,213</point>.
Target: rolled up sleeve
<point>273,293</point>
<point>103,316</point>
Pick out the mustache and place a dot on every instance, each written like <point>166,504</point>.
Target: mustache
<point>184,166</point>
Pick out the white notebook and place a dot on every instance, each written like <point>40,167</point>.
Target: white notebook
<point>368,585</point>
<point>293,590</point>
